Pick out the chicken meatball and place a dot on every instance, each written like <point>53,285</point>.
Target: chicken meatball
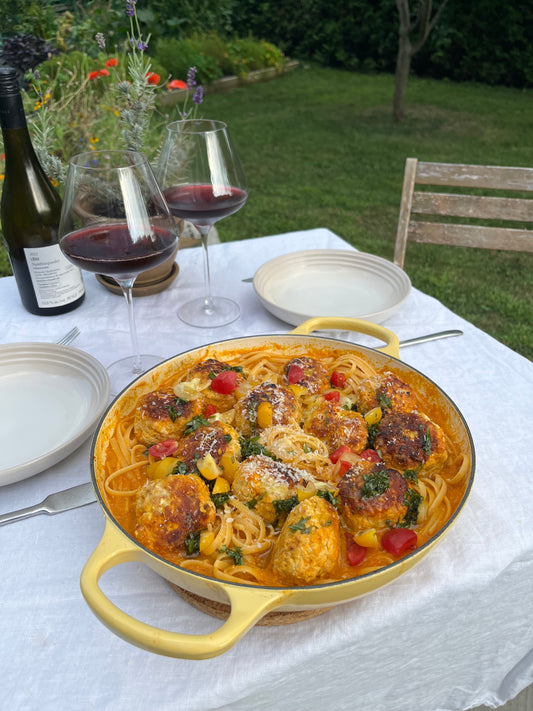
<point>308,373</point>
<point>387,391</point>
<point>409,440</point>
<point>372,496</point>
<point>308,546</point>
<point>285,408</point>
<point>160,415</point>
<point>170,509</point>
<point>203,374</point>
<point>337,426</point>
<point>215,439</point>
<point>264,484</point>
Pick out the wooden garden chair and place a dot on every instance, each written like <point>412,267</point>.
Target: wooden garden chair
<point>423,213</point>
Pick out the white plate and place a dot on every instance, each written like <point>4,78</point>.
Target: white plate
<point>331,282</point>
<point>51,398</point>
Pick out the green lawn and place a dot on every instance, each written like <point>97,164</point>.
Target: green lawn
<point>320,150</point>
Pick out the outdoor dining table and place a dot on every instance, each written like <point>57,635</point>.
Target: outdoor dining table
<point>453,633</point>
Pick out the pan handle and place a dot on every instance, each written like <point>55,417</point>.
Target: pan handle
<point>353,324</point>
<point>247,606</point>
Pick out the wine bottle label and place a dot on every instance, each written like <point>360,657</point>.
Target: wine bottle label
<point>56,281</point>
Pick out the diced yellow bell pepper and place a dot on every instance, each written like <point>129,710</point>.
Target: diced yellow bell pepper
<point>206,540</point>
<point>367,539</point>
<point>264,415</point>
<point>305,491</point>
<point>220,486</point>
<point>298,390</point>
<point>373,416</point>
<point>208,468</point>
<point>229,465</point>
<point>161,468</point>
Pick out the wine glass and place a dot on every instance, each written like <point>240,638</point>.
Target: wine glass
<point>202,181</point>
<point>115,222</point>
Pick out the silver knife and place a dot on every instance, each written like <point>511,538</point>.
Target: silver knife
<point>80,495</point>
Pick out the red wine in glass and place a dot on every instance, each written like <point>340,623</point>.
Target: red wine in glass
<point>200,205</point>
<point>202,181</point>
<point>110,250</point>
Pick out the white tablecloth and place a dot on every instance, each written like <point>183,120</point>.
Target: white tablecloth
<point>453,633</point>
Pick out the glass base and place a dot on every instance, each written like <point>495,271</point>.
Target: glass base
<point>124,371</point>
<point>211,313</point>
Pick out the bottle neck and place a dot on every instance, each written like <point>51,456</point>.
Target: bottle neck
<point>12,112</point>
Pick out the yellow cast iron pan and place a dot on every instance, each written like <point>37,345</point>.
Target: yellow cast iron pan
<point>246,604</point>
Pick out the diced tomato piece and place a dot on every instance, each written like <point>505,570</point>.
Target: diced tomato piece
<point>332,395</point>
<point>344,466</point>
<point>210,410</point>
<point>399,540</point>
<point>295,374</point>
<point>370,455</point>
<point>338,380</point>
<point>355,553</point>
<point>163,449</point>
<point>338,453</point>
<point>224,383</point>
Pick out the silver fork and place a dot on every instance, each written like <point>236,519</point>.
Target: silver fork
<point>69,337</point>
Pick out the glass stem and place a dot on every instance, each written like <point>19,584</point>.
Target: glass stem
<point>208,298</point>
<point>127,290</point>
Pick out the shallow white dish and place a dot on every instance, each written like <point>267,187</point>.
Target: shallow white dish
<point>331,282</point>
<point>51,398</point>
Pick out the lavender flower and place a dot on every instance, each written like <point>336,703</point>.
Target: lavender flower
<point>191,78</point>
<point>37,75</point>
<point>100,40</point>
<point>130,7</point>
<point>198,96</point>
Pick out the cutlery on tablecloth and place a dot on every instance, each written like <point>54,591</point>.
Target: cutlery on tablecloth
<point>72,498</point>
<point>69,337</point>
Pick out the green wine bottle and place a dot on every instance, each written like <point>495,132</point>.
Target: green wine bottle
<point>30,209</point>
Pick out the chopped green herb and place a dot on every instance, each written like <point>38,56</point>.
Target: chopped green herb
<point>225,368</point>
<point>411,476</point>
<point>176,409</point>
<point>220,499</point>
<point>426,440</point>
<point>375,484</point>
<point>192,543</point>
<point>227,438</point>
<point>196,422</point>
<point>306,448</point>
<point>285,505</point>
<point>412,500</point>
<point>181,468</point>
<point>234,553</point>
<point>300,526</point>
<point>253,502</point>
<point>251,447</point>
<point>329,496</point>
<point>372,433</point>
<point>384,401</point>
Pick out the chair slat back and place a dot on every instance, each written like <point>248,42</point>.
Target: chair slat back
<point>446,204</point>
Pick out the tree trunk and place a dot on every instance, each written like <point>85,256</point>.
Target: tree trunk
<point>401,76</point>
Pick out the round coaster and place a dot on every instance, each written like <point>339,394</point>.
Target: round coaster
<point>141,289</point>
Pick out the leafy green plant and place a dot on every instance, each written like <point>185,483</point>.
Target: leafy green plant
<point>179,55</point>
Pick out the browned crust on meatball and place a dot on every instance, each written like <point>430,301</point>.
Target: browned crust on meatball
<point>161,415</point>
<point>285,407</point>
<point>169,509</point>
<point>409,440</point>
<point>361,511</point>
<point>309,543</point>
<point>336,426</point>
<point>316,378</point>
<point>213,439</point>
<point>387,391</point>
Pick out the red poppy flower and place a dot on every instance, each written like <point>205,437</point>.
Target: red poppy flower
<point>177,84</point>
<point>93,75</point>
<point>111,62</point>
<point>153,78</point>
<point>104,73</point>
